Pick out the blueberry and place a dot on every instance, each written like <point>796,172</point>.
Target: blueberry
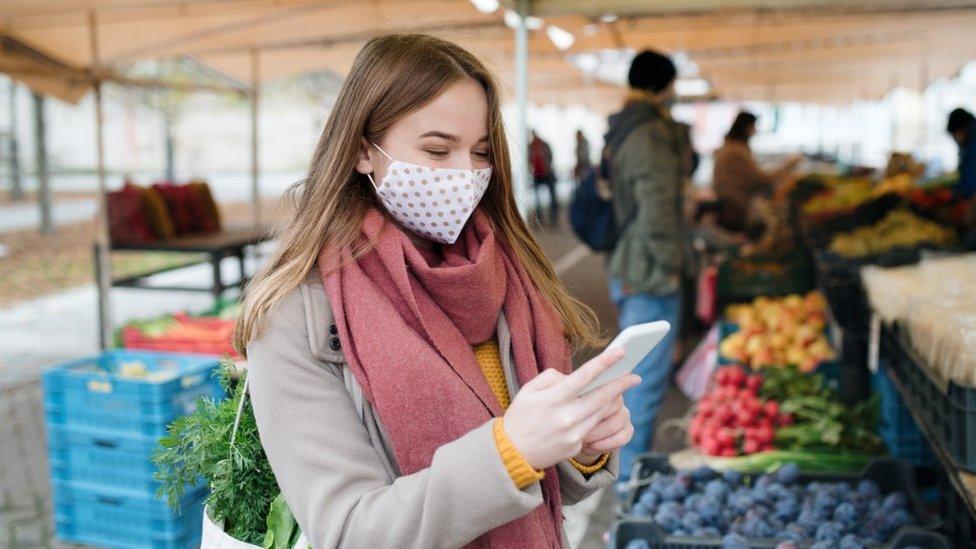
<point>795,532</point>
<point>829,531</point>
<point>669,515</point>
<point>741,502</point>
<point>822,545</point>
<point>680,532</point>
<point>825,501</point>
<point>707,532</point>
<point>692,521</point>
<point>638,544</point>
<point>704,473</point>
<point>786,510</point>
<point>717,489</point>
<point>649,498</point>
<point>734,541</point>
<point>868,488</point>
<point>846,514</point>
<point>851,541</point>
<point>710,510</point>
<point>789,544</point>
<point>692,500</point>
<point>894,501</point>
<point>765,480</point>
<point>641,510</point>
<point>788,474</point>
<point>732,477</point>
<point>675,491</point>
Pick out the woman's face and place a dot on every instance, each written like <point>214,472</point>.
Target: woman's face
<point>449,132</point>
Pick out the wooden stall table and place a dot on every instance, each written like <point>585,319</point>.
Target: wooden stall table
<point>229,242</point>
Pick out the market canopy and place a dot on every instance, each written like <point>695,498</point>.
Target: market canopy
<point>781,50</point>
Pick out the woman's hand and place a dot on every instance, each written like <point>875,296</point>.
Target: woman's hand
<point>548,422</point>
<point>614,431</point>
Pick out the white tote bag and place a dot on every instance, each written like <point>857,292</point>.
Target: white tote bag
<point>214,536</point>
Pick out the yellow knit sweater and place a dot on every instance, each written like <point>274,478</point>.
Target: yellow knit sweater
<point>489,358</point>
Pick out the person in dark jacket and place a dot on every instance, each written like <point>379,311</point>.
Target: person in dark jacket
<point>646,153</point>
<point>962,127</point>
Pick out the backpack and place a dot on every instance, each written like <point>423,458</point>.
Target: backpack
<point>591,208</point>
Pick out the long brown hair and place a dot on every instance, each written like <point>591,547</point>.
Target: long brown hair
<point>391,77</point>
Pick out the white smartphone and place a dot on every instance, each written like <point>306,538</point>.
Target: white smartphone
<point>637,341</point>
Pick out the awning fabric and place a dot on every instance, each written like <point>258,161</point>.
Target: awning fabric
<point>778,50</point>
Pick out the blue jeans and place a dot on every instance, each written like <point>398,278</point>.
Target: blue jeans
<point>644,400</point>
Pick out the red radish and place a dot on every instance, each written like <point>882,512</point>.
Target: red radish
<point>750,446</point>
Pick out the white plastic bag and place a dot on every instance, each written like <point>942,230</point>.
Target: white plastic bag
<point>214,536</point>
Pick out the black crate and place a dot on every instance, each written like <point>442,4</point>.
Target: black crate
<point>840,280</point>
<point>950,409</point>
<point>957,522</point>
<point>891,475</point>
<point>625,531</point>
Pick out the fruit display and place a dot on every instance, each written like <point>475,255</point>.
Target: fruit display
<point>780,409</point>
<point>900,228</point>
<point>841,196</point>
<point>781,506</point>
<point>939,202</point>
<point>779,331</point>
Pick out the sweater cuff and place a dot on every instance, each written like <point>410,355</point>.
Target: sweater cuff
<point>590,469</point>
<point>521,472</point>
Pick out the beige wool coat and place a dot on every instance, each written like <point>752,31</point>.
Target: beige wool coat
<point>332,459</point>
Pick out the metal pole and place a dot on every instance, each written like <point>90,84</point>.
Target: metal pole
<point>43,183</point>
<point>523,177</point>
<point>103,273</point>
<point>16,183</point>
<point>255,188</point>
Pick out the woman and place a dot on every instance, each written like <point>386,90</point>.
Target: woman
<point>738,178</point>
<point>409,344</point>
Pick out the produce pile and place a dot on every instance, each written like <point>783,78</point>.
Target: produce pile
<point>940,203</point>
<point>784,409</point>
<point>711,504</point>
<point>841,195</point>
<point>779,331</point>
<point>180,332</point>
<point>898,229</point>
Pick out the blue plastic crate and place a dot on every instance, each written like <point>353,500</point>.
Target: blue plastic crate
<point>91,392</point>
<point>113,518</point>
<point>104,458</point>
<point>896,426</point>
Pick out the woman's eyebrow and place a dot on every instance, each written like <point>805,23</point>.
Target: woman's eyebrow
<point>448,136</point>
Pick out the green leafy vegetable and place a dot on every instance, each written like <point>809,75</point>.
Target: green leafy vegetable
<point>197,446</point>
<point>822,422</point>
<point>283,531</point>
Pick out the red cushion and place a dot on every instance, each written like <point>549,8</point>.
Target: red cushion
<point>127,219</point>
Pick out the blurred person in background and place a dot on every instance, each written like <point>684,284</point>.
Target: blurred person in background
<point>540,155</point>
<point>583,162</point>
<point>962,127</point>
<point>738,178</point>
<point>647,164</point>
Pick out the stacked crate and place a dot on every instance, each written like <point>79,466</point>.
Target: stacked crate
<point>104,416</point>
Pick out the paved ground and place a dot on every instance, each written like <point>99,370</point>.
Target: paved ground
<point>48,330</point>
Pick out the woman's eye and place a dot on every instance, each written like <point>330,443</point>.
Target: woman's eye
<point>482,154</point>
<point>437,154</point>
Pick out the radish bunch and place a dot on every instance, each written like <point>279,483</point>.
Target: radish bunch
<point>731,420</point>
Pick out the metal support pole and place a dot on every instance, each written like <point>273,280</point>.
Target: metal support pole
<point>523,179</point>
<point>255,187</point>
<point>103,248</point>
<point>43,182</point>
<point>16,182</point>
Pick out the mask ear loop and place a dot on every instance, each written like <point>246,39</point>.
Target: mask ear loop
<point>388,157</point>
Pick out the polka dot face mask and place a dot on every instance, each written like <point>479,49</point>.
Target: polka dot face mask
<point>433,202</point>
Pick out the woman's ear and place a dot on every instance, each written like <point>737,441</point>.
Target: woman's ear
<point>364,165</point>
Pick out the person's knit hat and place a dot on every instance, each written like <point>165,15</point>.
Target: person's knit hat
<point>651,71</point>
